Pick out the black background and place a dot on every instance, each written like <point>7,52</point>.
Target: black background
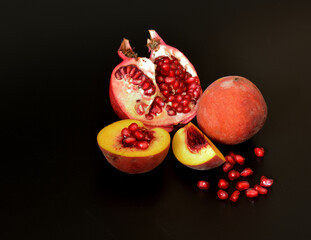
<point>56,60</point>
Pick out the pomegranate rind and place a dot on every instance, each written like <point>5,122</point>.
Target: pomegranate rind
<point>205,158</point>
<point>130,159</point>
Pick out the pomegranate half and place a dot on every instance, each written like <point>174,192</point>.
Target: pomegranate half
<point>161,91</point>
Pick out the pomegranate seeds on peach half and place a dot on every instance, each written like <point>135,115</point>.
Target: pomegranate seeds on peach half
<point>131,147</point>
<point>160,91</point>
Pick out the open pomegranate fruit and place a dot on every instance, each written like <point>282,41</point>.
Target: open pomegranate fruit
<point>161,91</point>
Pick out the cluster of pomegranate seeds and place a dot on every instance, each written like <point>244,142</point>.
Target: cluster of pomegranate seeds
<point>135,136</point>
<point>179,88</point>
<point>250,192</point>
<point>137,77</point>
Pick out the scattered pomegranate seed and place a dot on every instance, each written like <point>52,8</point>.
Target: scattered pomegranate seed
<point>260,189</point>
<point>222,183</point>
<point>230,159</point>
<point>222,194</point>
<point>266,182</point>
<point>243,185</point>
<point>246,172</point>
<point>232,154</point>
<point>227,166</point>
<point>203,185</point>
<point>260,152</point>
<point>239,159</point>
<point>234,196</point>
<point>233,174</point>
<point>251,192</point>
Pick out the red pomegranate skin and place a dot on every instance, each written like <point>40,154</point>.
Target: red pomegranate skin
<point>231,110</point>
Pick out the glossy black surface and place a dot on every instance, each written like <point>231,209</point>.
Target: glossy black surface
<point>56,60</point>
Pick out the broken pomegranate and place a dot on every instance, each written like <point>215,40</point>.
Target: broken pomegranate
<point>161,91</point>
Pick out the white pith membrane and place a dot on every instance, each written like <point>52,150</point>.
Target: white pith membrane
<point>142,99</point>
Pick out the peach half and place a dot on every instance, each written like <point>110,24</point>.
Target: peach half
<point>195,150</point>
<point>133,148</point>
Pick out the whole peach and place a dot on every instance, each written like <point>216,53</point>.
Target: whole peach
<point>231,110</point>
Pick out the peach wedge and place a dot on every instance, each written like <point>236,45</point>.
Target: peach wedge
<point>193,149</point>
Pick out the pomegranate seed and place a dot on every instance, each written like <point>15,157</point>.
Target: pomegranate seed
<point>251,192</point>
<point>186,110</point>
<point>239,159</point>
<point>243,185</point>
<point>171,73</point>
<point>142,144</point>
<point>139,135</point>
<point>178,97</point>
<point>165,67</point>
<point>129,141</point>
<point>133,71</point>
<point>125,132</point>
<point>128,69</point>
<point>260,152</point>
<point>133,127</point>
<point>123,70</point>
<point>137,82</point>
<point>173,66</point>
<point>203,185</point>
<point>232,154</point>
<point>190,80</point>
<point>163,86</point>
<point>196,94</point>
<point>222,183</point>
<point>137,75</point>
<point>227,166</point>
<point>160,79</point>
<point>260,189</point>
<point>266,182</point>
<point>234,196</point>
<point>145,85</point>
<point>169,80</point>
<point>150,91</point>
<point>246,172</point>
<point>175,104</point>
<point>222,194</point>
<point>179,109</point>
<point>179,91</point>
<point>185,102</point>
<point>149,116</point>
<point>171,112</point>
<point>159,101</point>
<point>176,84</point>
<point>233,174</point>
<point>230,159</point>
<point>165,93</point>
<point>118,75</point>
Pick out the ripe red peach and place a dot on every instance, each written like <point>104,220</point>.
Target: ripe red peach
<point>133,148</point>
<point>231,110</point>
<point>193,149</point>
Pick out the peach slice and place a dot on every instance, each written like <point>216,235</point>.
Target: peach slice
<point>131,147</point>
<point>193,149</point>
